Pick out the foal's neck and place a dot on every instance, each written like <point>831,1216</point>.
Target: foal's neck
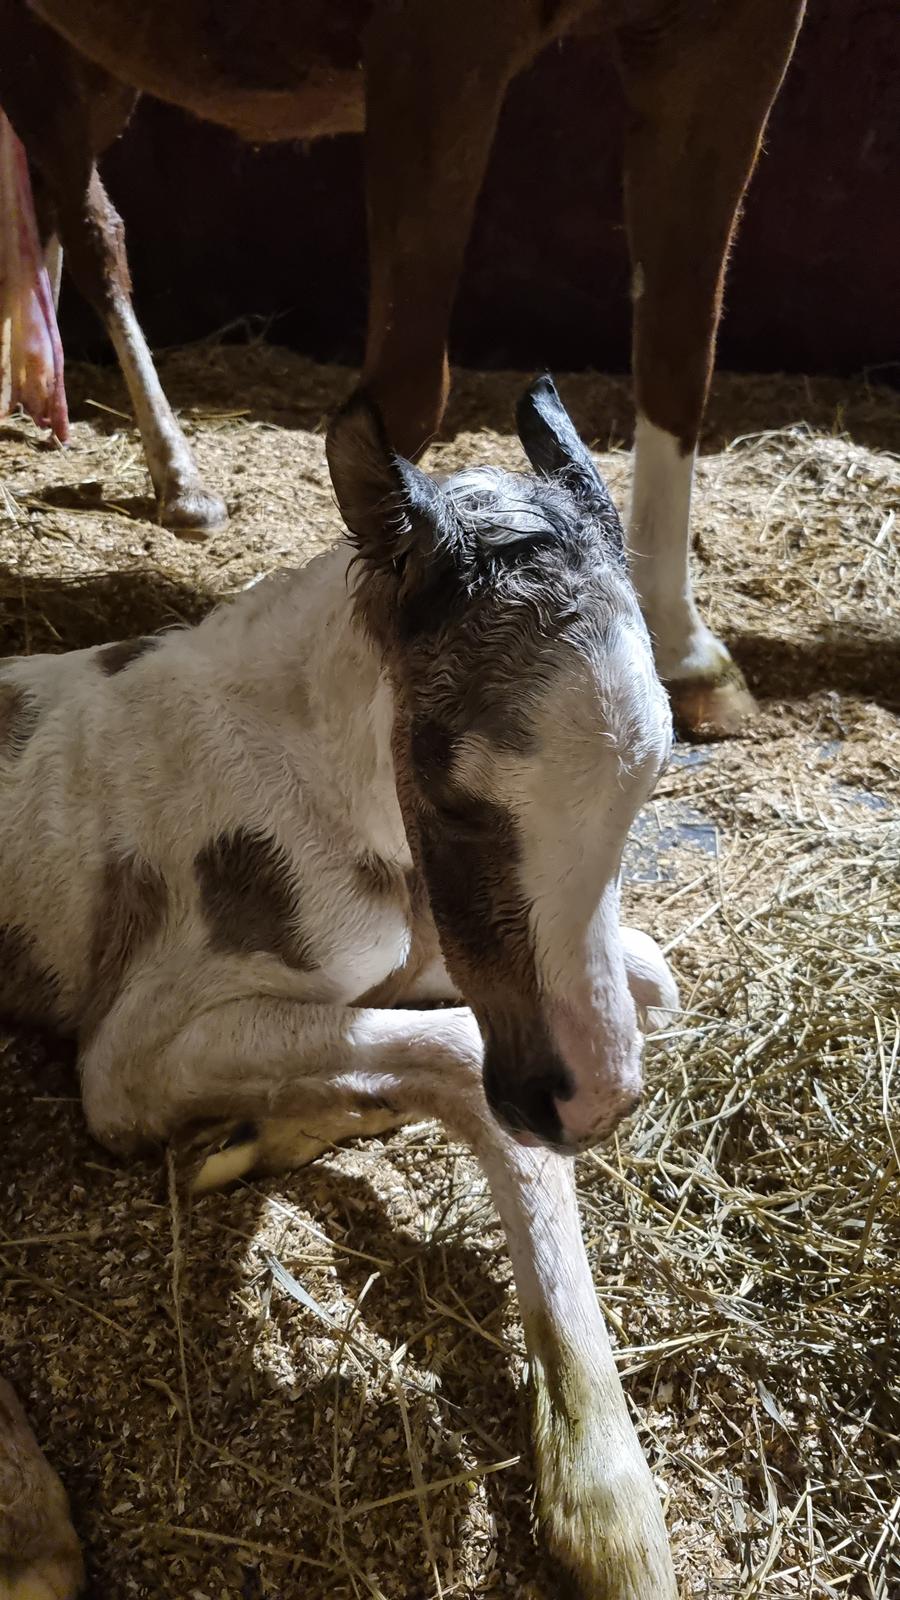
<point>312,633</point>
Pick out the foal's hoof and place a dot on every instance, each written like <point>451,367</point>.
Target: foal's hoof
<point>40,1557</point>
<point>215,1155</point>
<point>712,708</point>
<point>193,513</point>
<point>597,1502</point>
<point>608,1534</point>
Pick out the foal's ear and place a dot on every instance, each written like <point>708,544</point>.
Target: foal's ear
<point>553,447</point>
<point>387,504</point>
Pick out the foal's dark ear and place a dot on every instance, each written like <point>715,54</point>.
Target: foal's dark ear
<point>553,447</point>
<point>388,505</point>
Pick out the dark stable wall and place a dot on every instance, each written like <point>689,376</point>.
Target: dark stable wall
<point>218,231</point>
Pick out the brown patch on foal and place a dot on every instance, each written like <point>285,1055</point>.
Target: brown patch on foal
<point>131,909</point>
<point>467,852</point>
<point>248,899</point>
<point>19,716</point>
<point>114,658</point>
<point>477,900</point>
<point>28,990</point>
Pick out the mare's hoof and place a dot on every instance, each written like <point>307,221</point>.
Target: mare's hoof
<point>712,708</point>
<point>193,513</point>
<point>40,1558</point>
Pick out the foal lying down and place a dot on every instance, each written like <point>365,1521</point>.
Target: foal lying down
<point>241,860</point>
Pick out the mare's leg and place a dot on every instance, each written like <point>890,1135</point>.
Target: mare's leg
<point>64,111</point>
<point>698,94</point>
<point>434,86</point>
<point>40,1557</point>
<point>265,1057</point>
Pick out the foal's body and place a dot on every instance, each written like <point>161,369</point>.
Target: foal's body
<point>232,857</point>
<point>207,822</point>
<point>426,80</point>
<point>248,759</point>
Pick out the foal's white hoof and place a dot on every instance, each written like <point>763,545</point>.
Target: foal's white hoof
<point>40,1558</point>
<point>606,1527</point>
<point>614,1550</point>
<point>597,1501</point>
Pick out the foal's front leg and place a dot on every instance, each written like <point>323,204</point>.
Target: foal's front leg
<point>276,1145</point>
<point>267,1059</point>
<point>596,1496</point>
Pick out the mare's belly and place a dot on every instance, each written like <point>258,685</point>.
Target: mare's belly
<point>325,102</point>
<point>269,69</point>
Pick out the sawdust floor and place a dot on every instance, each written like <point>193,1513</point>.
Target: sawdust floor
<point>222,1437</point>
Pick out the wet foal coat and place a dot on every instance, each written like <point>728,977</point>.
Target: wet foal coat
<point>239,859</point>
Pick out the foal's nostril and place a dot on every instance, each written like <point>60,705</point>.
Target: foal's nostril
<point>530,1105</point>
<point>537,1104</point>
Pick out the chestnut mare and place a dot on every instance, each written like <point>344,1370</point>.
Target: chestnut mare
<point>426,80</point>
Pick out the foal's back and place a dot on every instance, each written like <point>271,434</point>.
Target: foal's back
<point>56,714</point>
<point>138,778</point>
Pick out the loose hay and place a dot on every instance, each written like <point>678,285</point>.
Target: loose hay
<point>312,1388</point>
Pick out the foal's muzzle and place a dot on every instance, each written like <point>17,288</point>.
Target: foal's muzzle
<point>527,1082</point>
<point>528,1103</point>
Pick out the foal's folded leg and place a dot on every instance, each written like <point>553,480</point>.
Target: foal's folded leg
<point>262,1058</point>
<point>263,1149</point>
<point>650,979</point>
<point>271,1058</point>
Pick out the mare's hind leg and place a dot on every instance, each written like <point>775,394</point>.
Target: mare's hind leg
<point>698,94</point>
<point>93,239</point>
<point>40,1557</point>
<point>38,70</point>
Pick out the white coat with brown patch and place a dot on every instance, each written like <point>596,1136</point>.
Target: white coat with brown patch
<point>240,860</point>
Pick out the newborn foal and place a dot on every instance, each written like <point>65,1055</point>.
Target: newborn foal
<point>240,858</point>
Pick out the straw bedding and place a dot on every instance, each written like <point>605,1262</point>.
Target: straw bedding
<point>313,1388</point>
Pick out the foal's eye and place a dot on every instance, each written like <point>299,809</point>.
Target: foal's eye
<point>465,819</point>
<point>432,746</point>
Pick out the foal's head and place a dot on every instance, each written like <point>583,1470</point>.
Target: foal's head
<point>529,728</point>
